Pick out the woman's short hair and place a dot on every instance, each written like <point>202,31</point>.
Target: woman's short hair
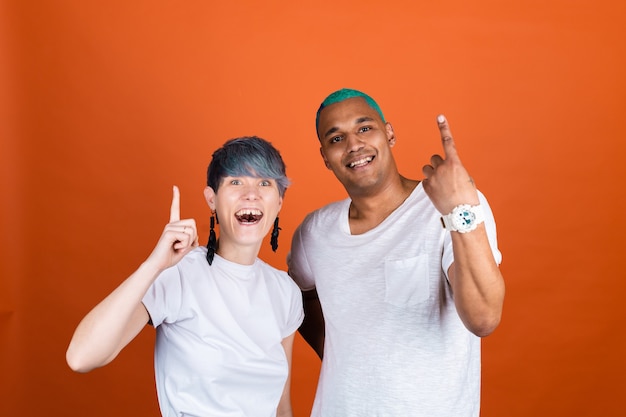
<point>248,156</point>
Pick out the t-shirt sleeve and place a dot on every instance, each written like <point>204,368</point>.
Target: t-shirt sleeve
<point>296,312</point>
<point>297,260</point>
<point>163,299</point>
<point>490,225</point>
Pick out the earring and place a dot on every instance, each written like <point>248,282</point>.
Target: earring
<point>274,240</point>
<point>211,246</point>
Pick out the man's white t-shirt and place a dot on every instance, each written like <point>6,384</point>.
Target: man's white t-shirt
<point>394,343</point>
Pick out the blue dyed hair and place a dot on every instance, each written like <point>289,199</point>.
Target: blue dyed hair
<point>248,156</point>
<point>341,95</point>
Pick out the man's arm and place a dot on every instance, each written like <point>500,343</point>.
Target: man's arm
<point>476,280</point>
<point>312,328</point>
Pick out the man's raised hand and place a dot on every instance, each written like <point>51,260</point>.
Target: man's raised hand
<point>446,181</point>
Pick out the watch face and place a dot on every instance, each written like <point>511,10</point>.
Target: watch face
<point>463,219</point>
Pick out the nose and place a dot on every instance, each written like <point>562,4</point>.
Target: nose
<point>354,142</point>
<point>250,192</point>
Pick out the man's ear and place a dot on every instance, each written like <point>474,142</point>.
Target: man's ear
<point>209,196</point>
<point>324,158</point>
<point>391,137</point>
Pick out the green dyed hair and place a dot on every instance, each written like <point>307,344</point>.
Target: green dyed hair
<point>341,95</point>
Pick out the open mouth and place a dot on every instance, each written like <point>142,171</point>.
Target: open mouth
<point>361,162</point>
<point>248,216</point>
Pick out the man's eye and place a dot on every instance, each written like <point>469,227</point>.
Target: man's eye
<point>365,129</point>
<point>266,183</point>
<point>335,139</point>
<point>235,182</point>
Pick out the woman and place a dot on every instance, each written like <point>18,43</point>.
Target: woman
<point>225,319</point>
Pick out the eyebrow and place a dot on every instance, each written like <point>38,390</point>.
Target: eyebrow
<point>356,122</point>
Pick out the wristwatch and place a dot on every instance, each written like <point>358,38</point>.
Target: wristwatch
<point>464,218</point>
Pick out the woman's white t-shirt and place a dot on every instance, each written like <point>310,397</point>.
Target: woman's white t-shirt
<point>219,331</point>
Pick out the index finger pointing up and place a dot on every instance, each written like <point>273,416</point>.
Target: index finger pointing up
<point>175,209</point>
<point>447,140</point>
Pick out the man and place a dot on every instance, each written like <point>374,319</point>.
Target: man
<point>405,299</point>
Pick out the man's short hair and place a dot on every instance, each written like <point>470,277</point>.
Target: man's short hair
<point>341,95</point>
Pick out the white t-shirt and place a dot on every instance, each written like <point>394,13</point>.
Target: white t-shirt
<point>395,345</point>
<point>219,331</point>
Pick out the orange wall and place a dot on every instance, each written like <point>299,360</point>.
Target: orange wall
<point>105,105</point>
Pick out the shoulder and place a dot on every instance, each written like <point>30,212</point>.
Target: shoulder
<point>188,269</point>
<point>277,277</point>
<point>328,213</point>
<point>271,271</point>
<point>193,260</point>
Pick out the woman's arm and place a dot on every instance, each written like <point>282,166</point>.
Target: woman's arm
<point>111,324</point>
<point>284,405</point>
<point>117,319</point>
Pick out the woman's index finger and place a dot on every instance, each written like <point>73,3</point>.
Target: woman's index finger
<point>175,209</point>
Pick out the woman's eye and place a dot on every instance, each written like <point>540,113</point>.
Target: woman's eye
<point>235,182</point>
<point>265,183</point>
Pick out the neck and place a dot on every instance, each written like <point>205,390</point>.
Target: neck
<point>369,210</point>
<point>244,255</point>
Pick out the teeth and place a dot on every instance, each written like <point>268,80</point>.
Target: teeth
<point>249,215</point>
<point>248,212</point>
<point>360,162</point>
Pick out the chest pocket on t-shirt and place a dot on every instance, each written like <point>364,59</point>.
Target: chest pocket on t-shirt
<point>407,281</point>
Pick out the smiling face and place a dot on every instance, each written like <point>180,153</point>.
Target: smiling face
<point>246,208</point>
<point>356,145</point>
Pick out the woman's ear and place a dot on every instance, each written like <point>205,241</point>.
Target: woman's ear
<point>209,196</point>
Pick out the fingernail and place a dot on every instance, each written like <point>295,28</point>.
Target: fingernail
<point>441,118</point>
